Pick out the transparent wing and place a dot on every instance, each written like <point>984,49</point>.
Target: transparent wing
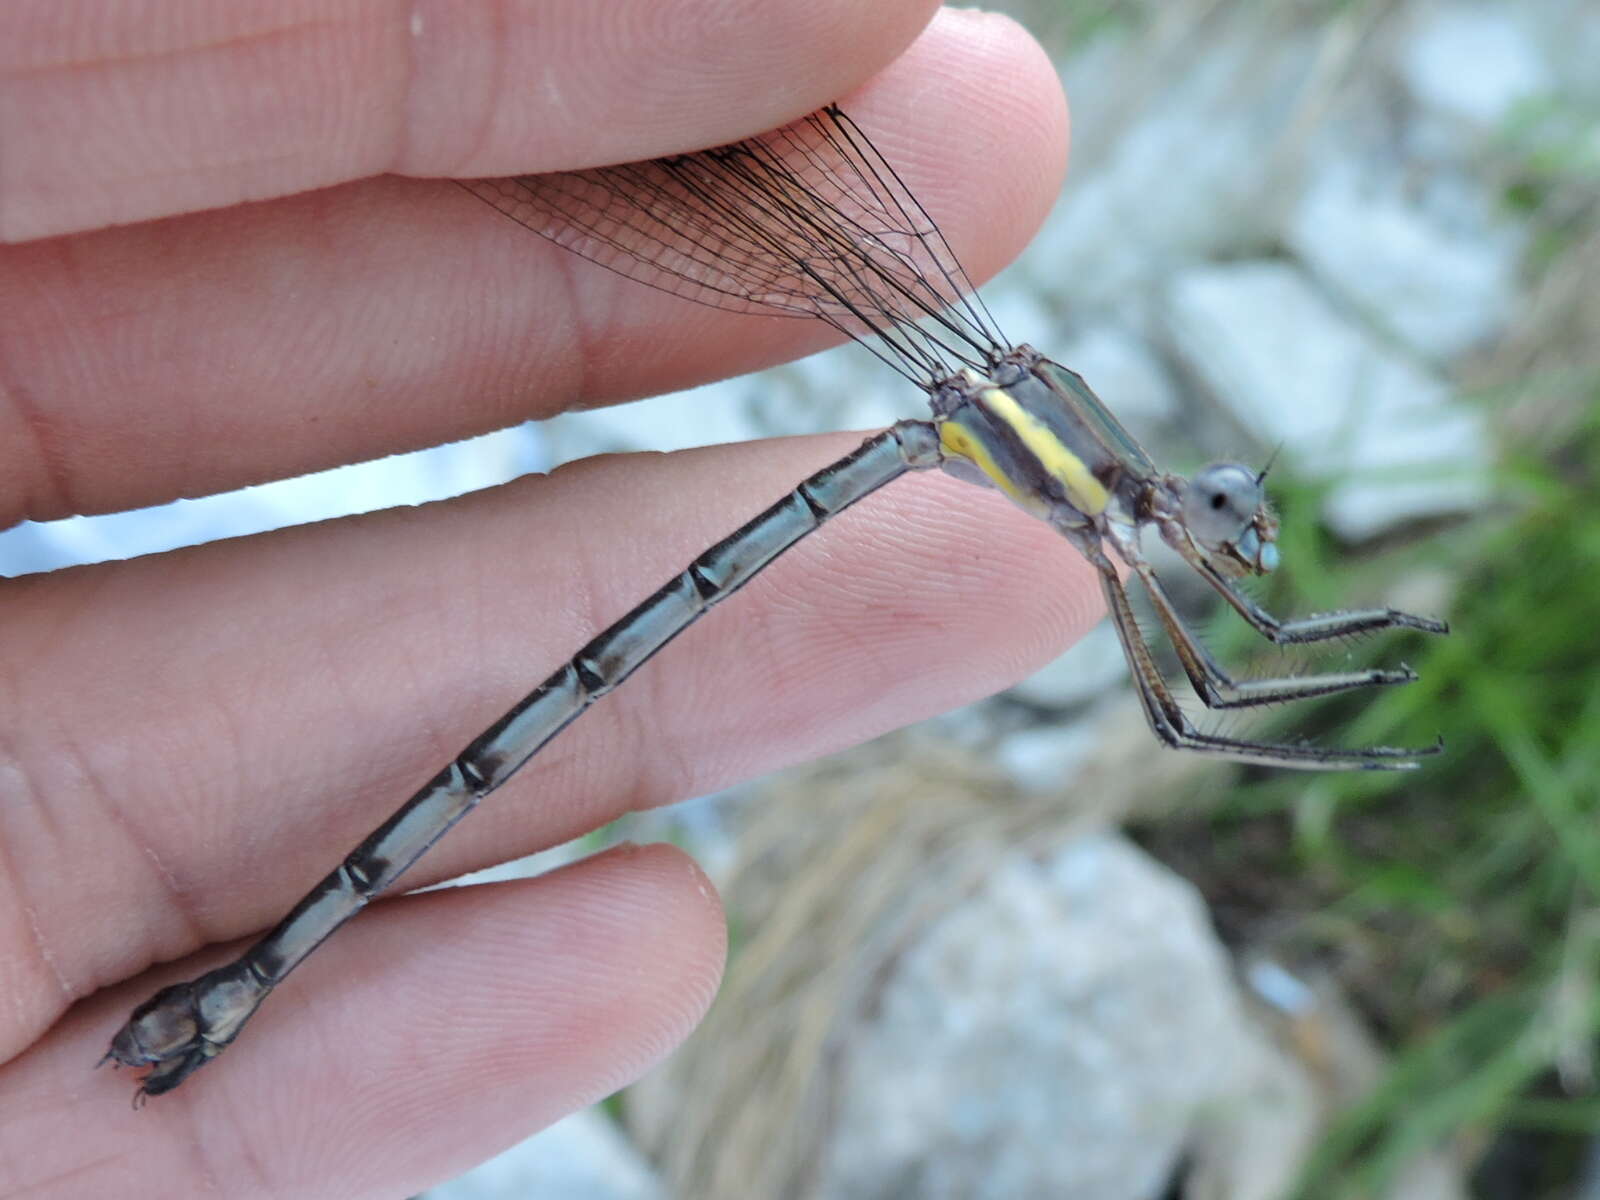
<point>806,221</point>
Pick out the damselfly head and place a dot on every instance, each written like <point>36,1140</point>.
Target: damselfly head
<point>1225,512</point>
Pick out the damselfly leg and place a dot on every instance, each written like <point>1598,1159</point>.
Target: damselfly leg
<point>1217,689</point>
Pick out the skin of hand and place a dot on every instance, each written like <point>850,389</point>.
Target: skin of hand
<point>192,739</point>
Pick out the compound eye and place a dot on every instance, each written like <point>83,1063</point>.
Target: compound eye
<point>1220,502</point>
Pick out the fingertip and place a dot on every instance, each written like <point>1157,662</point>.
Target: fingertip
<point>579,979</point>
<point>656,895</point>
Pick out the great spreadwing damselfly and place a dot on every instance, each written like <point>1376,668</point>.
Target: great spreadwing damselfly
<point>811,221</point>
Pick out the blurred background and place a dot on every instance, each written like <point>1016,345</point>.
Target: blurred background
<point>1014,952</point>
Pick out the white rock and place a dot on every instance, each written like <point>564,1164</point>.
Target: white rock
<point>1124,372</point>
<point>1253,1144</point>
<point>1437,271</point>
<point>1473,62</point>
<point>843,388</point>
<point>1185,179</point>
<point>846,388</point>
<point>584,1156</point>
<point>1297,373</point>
<point>1020,310</point>
<point>436,473</point>
<point>702,416</point>
<point>1568,35</point>
<point>1083,1014</point>
<point>1046,758</point>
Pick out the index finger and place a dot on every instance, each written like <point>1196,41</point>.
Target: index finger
<point>116,113</point>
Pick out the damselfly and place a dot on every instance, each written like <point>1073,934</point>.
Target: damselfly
<point>812,221</point>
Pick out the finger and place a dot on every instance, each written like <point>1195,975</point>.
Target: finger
<point>115,113</point>
<point>211,730</point>
<point>462,1022</point>
<point>198,355</point>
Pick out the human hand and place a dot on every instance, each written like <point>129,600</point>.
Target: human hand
<point>193,738</point>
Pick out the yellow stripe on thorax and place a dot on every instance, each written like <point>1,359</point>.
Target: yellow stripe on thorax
<point>1086,493</point>
<point>960,441</point>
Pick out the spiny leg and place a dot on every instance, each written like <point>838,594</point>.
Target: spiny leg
<point>1306,629</point>
<point>1318,628</point>
<point>1173,728</point>
<point>1212,683</point>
